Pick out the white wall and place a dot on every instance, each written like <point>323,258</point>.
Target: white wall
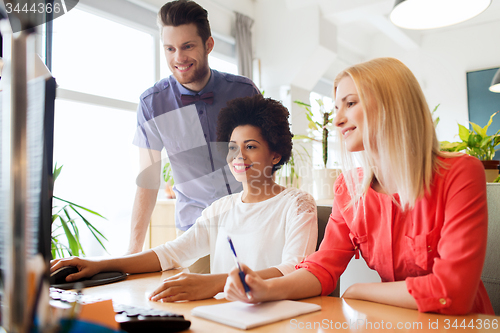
<point>441,63</point>
<point>282,40</point>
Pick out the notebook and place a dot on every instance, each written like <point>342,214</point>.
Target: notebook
<point>246,316</point>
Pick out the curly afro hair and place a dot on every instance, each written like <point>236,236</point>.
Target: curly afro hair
<point>264,113</point>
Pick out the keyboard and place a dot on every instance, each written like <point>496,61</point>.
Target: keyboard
<point>132,319</point>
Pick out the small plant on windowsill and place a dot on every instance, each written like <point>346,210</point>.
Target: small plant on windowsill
<point>64,224</point>
<point>324,178</point>
<point>324,127</point>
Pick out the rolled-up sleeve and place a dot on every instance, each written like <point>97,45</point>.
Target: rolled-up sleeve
<point>452,287</point>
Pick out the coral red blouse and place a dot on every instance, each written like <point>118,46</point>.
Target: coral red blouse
<point>438,247</point>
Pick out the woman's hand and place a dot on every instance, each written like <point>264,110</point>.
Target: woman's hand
<point>188,286</point>
<point>86,267</point>
<point>259,288</point>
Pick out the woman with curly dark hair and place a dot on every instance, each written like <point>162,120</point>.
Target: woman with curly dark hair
<point>256,117</point>
<point>273,228</point>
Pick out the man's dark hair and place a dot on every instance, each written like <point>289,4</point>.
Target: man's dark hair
<point>181,12</point>
<point>270,116</point>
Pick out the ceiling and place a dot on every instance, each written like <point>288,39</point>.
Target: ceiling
<point>360,21</point>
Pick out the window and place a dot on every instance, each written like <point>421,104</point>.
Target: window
<point>102,57</point>
<point>100,69</point>
<point>317,153</point>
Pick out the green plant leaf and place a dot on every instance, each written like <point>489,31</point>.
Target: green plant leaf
<point>463,132</point>
<point>86,209</point>
<point>309,118</point>
<point>76,233</point>
<point>167,173</point>
<point>478,129</point>
<point>304,137</point>
<point>56,172</point>
<point>448,146</point>
<point>70,226</point>
<point>496,140</point>
<point>73,245</point>
<point>302,104</point>
<point>485,142</point>
<point>485,128</point>
<point>92,229</point>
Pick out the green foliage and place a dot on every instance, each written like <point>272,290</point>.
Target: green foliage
<point>316,126</point>
<point>65,216</point>
<point>475,142</point>
<point>167,174</point>
<point>436,120</point>
<point>288,173</point>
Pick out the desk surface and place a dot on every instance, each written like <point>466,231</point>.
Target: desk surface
<point>336,313</point>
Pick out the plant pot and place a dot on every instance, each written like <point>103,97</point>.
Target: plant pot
<point>491,170</point>
<point>323,180</point>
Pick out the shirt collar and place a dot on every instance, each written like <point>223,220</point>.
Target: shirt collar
<point>208,87</point>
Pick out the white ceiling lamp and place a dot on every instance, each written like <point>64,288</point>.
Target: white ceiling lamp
<point>495,83</point>
<point>430,14</point>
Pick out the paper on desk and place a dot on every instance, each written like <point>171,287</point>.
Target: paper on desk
<point>246,316</point>
<point>221,295</point>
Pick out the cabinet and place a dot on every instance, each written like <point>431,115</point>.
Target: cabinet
<point>162,224</point>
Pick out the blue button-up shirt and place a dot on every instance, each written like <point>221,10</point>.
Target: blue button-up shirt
<point>188,133</point>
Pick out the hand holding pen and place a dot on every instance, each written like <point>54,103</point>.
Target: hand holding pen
<point>241,273</point>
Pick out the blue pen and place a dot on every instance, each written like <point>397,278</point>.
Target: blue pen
<point>241,274</point>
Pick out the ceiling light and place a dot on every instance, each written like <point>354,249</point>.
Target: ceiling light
<point>495,84</point>
<point>430,14</point>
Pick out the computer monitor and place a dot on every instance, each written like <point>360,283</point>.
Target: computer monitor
<point>39,129</point>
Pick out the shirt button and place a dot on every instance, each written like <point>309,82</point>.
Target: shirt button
<point>442,301</point>
<point>430,249</point>
<point>200,112</point>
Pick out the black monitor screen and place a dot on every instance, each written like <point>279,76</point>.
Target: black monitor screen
<point>39,184</point>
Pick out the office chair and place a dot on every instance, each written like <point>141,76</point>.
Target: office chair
<point>323,216</point>
<point>491,269</point>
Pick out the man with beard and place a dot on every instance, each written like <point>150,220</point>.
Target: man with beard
<point>179,113</point>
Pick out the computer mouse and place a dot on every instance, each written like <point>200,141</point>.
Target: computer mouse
<point>59,276</point>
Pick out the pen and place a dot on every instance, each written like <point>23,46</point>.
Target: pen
<point>241,274</point>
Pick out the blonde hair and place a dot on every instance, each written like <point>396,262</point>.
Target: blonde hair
<point>399,132</point>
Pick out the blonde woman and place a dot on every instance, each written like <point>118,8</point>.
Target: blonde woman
<point>417,215</point>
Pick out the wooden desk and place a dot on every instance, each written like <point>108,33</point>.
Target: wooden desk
<point>336,313</point>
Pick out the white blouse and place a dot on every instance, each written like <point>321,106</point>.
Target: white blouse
<point>279,232</point>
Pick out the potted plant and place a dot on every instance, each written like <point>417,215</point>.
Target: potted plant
<point>477,143</point>
<point>65,220</point>
<point>324,178</point>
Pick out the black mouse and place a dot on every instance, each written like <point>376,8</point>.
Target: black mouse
<point>59,276</point>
